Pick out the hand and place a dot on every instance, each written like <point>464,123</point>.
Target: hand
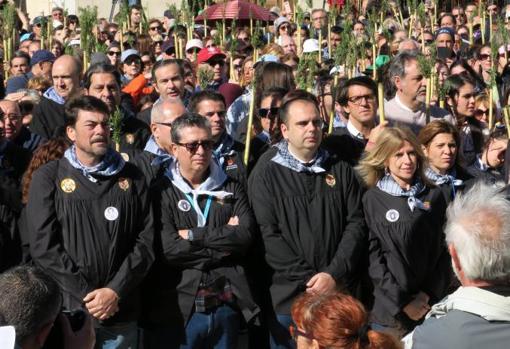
<point>233,221</point>
<point>102,303</point>
<point>374,133</point>
<point>15,96</point>
<point>84,338</point>
<point>418,307</point>
<point>183,233</point>
<point>321,283</point>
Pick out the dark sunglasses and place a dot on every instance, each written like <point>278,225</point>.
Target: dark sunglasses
<point>112,53</point>
<point>270,113</point>
<point>238,66</point>
<point>484,57</point>
<point>193,147</point>
<point>130,61</point>
<point>158,42</point>
<point>155,28</point>
<point>216,62</point>
<point>38,25</point>
<point>193,50</point>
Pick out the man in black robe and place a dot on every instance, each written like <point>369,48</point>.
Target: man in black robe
<point>14,130</point>
<point>49,115</point>
<point>158,149</point>
<point>90,225</point>
<point>168,77</point>
<point>227,151</point>
<point>308,207</point>
<point>103,81</point>
<point>205,225</point>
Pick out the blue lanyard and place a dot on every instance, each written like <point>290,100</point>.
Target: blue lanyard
<point>207,205</point>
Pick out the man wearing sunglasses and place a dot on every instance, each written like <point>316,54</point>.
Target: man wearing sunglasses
<point>158,150</point>
<point>37,24</point>
<point>292,184</point>
<point>214,59</point>
<point>227,151</point>
<point>199,293</point>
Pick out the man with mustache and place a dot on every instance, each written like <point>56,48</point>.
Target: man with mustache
<point>407,108</point>
<point>48,116</point>
<point>103,81</point>
<point>90,225</point>
<point>292,185</point>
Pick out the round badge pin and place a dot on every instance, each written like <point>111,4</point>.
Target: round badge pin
<point>111,213</point>
<point>68,185</point>
<point>184,205</point>
<point>392,215</point>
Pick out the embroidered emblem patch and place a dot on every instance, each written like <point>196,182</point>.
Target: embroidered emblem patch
<point>330,180</point>
<point>123,183</point>
<point>68,185</point>
<point>184,205</point>
<point>130,138</point>
<point>392,215</point>
<point>111,213</point>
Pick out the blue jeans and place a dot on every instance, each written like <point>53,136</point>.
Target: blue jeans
<point>121,336</point>
<point>218,329</point>
<point>279,332</point>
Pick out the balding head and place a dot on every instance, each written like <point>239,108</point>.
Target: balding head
<point>11,119</point>
<point>162,115</point>
<point>408,45</point>
<point>66,74</point>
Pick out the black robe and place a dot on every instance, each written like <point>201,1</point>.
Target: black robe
<point>217,249</point>
<point>310,223</point>
<point>78,240</point>
<point>346,146</point>
<point>143,160</point>
<point>408,253</point>
<point>48,119</point>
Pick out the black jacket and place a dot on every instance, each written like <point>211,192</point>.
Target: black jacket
<point>75,237</point>
<point>218,249</point>
<point>48,119</point>
<point>408,252</point>
<point>348,148</point>
<point>310,223</point>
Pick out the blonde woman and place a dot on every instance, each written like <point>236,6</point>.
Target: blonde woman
<point>409,263</point>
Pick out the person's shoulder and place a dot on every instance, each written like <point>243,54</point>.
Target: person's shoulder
<point>438,112</point>
<point>49,170</point>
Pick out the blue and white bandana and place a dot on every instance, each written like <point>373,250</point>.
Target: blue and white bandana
<point>224,148</point>
<point>285,158</point>
<point>52,95</point>
<point>111,164</point>
<point>161,156</point>
<point>390,186</point>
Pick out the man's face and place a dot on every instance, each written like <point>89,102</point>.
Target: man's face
<point>169,82</point>
<point>90,134</point>
<point>192,157</point>
<point>361,105</point>
<point>444,40</point>
<point>217,64</point>
<point>459,15</point>
<point>37,29</point>
<point>132,66</point>
<point>45,69</point>
<point>161,129</point>
<point>412,86</point>
<point>470,11</point>
<point>57,15</point>
<point>319,19</point>
<point>288,45</point>
<point>24,45</point>
<point>303,128</point>
<point>215,112</point>
<point>19,66</point>
<point>105,87</point>
<point>447,21</point>
<point>359,29</point>
<point>335,40</point>
<point>34,46</point>
<point>136,16</point>
<point>11,118</point>
<point>65,78</point>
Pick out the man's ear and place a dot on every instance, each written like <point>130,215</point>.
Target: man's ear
<point>455,260</point>
<point>71,133</point>
<point>284,130</point>
<point>397,82</point>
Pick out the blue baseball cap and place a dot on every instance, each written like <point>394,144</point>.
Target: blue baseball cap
<point>42,56</point>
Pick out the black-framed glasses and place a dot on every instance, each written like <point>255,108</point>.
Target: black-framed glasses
<point>270,113</point>
<point>130,61</point>
<point>295,333</point>
<point>216,62</point>
<point>484,57</point>
<point>155,28</point>
<point>193,146</point>
<point>113,53</point>
<point>359,99</point>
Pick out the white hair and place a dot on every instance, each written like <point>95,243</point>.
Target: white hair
<point>164,106</point>
<point>478,226</point>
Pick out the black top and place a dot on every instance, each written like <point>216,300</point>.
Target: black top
<point>28,139</point>
<point>408,253</point>
<point>310,223</point>
<point>91,235</point>
<point>48,119</point>
<point>345,145</point>
<point>217,249</point>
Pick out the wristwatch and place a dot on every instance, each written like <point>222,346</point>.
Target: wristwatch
<point>190,235</point>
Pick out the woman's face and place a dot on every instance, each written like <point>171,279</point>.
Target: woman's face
<point>248,72</point>
<point>441,153</point>
<point>403,164</point>
<point>485,58</point>
<point>482,112</point>
<point>465,101</point>
<point>270,107</point>
<point>495,153</point>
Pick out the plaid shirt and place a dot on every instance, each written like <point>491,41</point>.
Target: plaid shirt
<point>212,294</point>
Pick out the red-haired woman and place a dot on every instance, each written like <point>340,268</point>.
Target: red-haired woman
<point>335,321</point>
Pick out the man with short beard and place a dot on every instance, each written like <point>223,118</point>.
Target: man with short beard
<point>49,116</point>
<point>90,225</point>
<point>407,108</point>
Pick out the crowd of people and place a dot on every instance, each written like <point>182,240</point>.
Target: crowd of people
<point>185,186</point>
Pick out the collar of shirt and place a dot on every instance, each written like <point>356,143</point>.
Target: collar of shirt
<point>354,131</point>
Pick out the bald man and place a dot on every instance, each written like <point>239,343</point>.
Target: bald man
<point>49,117</point>
<point>158,151</point>
<point>13,129</point>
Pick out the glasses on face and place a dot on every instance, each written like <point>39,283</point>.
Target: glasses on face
<point>193,147</point>
<point>270,113</point>
<point>484,57</point>
<point>243,38</point>
<point>167,124</point>
<point>284,27</point>
<point>155,28</point>
<point>130,61</point>
<point>11,117</point>
<point>359,99</point>
<point>193,50</point>
<point>214,63</point>
<point>238,66</point>
<point>295,333</point>
<point>38,25</point>
<point>480,112</point>
<point>114,53</point>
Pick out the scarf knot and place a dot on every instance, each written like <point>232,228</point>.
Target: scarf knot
<point>52,95</point>
<point>161,155</point>
<point>390,186</point>
<point>285,158</point>
<point>111,164</point>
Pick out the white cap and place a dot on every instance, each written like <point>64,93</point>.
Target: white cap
<point>57,23</point>
<point>194,43</point>
<point>130,52</point>
<point>310,45</point>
